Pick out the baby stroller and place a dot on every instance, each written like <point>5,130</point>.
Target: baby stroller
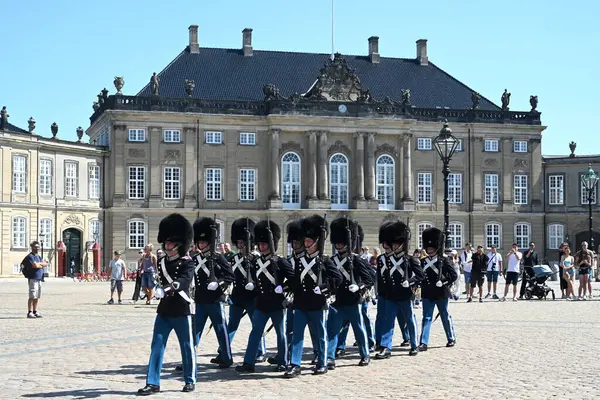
<point>536,282</point>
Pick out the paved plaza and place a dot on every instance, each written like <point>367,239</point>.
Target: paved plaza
<point>85,349</point>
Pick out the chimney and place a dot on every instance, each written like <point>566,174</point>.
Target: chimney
<point>374,49</point>
<point>247,42</point>
<point>422,52</point>
<point>193,46</point>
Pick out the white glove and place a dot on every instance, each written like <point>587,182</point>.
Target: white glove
<point>160,293</point>
<point>278,289</point>
<point>438,284</point>
<point>317,290</point>
<point>353,288</point>
<point>249,286</point>
<point>212,286</point>
<point>405,284</point>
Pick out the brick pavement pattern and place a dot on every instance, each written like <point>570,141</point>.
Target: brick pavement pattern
<point>83,348</point>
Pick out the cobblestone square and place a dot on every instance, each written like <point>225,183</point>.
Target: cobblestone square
<point>83,348</point>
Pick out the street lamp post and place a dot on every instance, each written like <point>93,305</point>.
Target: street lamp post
<point>68,253</point>
<point>589,180</point>
<point>446,144</point>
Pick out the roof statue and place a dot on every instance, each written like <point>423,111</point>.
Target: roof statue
<point>336,82</point>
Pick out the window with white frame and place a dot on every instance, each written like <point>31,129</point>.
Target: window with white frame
<point>94,182</point>
<point>424,143</point>
<point>172,136</point>
<point>137,135</point>
<point>172,183</point>
<point>338,181</point>
<point>290,180</point>
<point>96,231</point>
<point>522,235</point>
<point>213,183</point>
<point>220,230</point>
<point>71,184</point>
<point>455,188</point>
<point>19,173</point>
<point>247,138</point>
<point>584,194</point>
<point>211,137</point>
<point>491,189</point>
<point>492,235</point>
<point>19,233</point>
<point>45,188</point>
<point>556,189</point>
<point>247,184</point>
<point>16,268</point>
<point>556,236</point>
<point>490,145</point>
<point>424,187</point>
<point>136,232</point>
<point>421,226</point>
<point>460,145</point>
<point>137,182</point>
<point>45,233</point>
<point>520,146</point>
<point>520,189</point>
<point>385,177</point>
<point>456,235</point>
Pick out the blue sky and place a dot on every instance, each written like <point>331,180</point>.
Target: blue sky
<point>56,57</point>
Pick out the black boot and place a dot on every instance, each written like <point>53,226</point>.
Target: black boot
<point>450,343</point>
<point>280,368</point>
<point>314,359</point>
<point>292,372</point>
<point>272,361</point>
<point>413,352</point>
<point>340,353</point>
<point>320,371</point>
<point>244,368</point>
<point>422,347</point>
<point>216,360</point>
<point>364,361</point>
<point>404,343</point>
<point>331,364</point>
<point>225,364</point>
<point>148,390</point>
<point>383,353</point>
<point>189,387</point>
<point>261,359</point>
<point>179,368</point>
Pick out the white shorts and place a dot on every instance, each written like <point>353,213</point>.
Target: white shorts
<point>35,288</point>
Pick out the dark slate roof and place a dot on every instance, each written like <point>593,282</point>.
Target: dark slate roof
<point>13,128</point>
<point>225,74</point>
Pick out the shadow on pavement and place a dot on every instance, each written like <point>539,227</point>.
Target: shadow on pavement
<point>81,393</point>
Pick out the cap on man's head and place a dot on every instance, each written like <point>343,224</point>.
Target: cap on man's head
<point>514,244</point>
<point>117,253</point>
<point>480,247</point>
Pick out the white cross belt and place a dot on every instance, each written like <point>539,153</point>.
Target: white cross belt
<point>262,269</point>
<point>396,266</point>
<point>431,264</point>
<point>165,273</point>
<point>201,265</point>
<point>340,266</point>
<point>383,264</point>
<point>308,269</point>
<point>238,265</point>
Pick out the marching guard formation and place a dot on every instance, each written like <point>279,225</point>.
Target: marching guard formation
<point>326,294</point>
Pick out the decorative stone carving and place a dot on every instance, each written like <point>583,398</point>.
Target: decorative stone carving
<point>31,124</point>
<point>478,138</point>
<point>405,97</point>
<point>72,219</point>
<point>490,162</point>
<point>365,96</point>
<point>338,147</point>
<point>290,146</point>
<point>100,98</point>
<point>54,130</point>
<point>95,106</point>
<point>119,82</point>
<point>137,153</point>
<point>104,94</point>
<point>520,163</point>
<point>505,100</point>
<point>294,216</point>
<point>572,147</point>
<point>389,217</point>
<point>533,101</point>
<point>386,149</point>
<point>119,127</point>
<point>475,99</point>
<point>154,84</point>
<point>189,86</point>
<point>271,92</point>
<point>172,154</point>
<point>79,132</point>
<point>4,118</point>
<point>336,82</point>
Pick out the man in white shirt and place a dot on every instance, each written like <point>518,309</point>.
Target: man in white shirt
<point>493,270</point>
<point>467,265</point>
<point>512,273</point>
<point>117,271</point>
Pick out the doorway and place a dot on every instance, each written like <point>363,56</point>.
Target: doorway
<point>72,240</point>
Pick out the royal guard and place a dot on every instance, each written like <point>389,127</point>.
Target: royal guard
<point>316,279</point>
<point>271,275</point>
<point>402,275</point>
<point>175,274</point>
<point>356,280</point>
<point>435,288</point>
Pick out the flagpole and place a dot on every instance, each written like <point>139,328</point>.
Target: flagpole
<point>332,30</point>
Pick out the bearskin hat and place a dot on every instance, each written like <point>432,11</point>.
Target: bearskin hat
<point>361,237</point>
<point>433,237</point>
<point>261,233</point>
<point>238,230</point>
<point>203,231</point>
<point>383,231</point>
<point>294,231</point>
<point>395,232</point>
<point>176,228</point>
<point>312,226</point>
<point>338,230</point>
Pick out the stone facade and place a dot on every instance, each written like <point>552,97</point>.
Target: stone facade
<point>38,202</point>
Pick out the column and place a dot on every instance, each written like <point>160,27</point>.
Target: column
<point>312,165</point>
<point>370,167</point>
<point>507,173</point>
<point>190,168</point>
<point>120,178</point>
<point>155,167</point>
<point>536,178</point>
<point>359,161</point>
<point>323,176</point>
<point>274,133</point>
<point>476,148</point>
<point>407,178</point>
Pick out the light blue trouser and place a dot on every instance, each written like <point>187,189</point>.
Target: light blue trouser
<point>216,313</point>
<point>235,316</point>
<point>289,331</point>
<point>183,330</point>
<point>335,321</point>
<point>368,329</point>
<point>259,321</point>
<point>442,306</point>
<point>318,320</point>
<point>403,311</point>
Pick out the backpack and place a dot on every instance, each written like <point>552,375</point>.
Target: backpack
<point>26,269</point>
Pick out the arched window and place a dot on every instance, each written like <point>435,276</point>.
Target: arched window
<point>522,234</point>
<point>338,181</point>
<point>456,235</point>
<point>385,182</point>
<point>136,233</point>
<point>290,180</point>
<point>493,235</point>
<point>421,226</point>
<point>556,235</point>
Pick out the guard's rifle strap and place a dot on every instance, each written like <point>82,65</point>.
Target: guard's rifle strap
<point>213,227</point>
<point>272,251</point>
<point>321,248</point>
<point>350,251</point>
<point>247,252</point>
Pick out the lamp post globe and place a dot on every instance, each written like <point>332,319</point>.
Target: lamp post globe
<point>589,181</point>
